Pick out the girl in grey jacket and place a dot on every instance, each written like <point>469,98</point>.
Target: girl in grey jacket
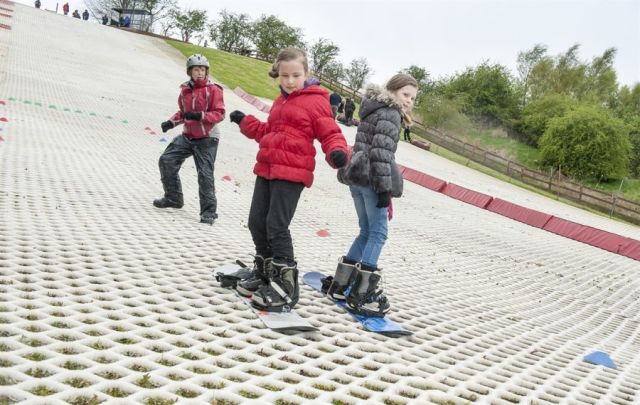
<point>373,178</point>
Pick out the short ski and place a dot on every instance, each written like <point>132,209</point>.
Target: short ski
<point>383,326</point>
<point>229,274</point>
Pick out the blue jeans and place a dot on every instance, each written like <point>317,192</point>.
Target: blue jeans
<point>373,222</point>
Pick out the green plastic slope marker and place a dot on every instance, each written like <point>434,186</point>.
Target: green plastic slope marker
<point>78,111</point>
<point>67,109</point>
<point>39,104</point>
<point>53,107</point>
<point>125,121</point>
<point>109,117</point>
<point>11,99</point>
<point>92,114</point>
<point>27,101</point>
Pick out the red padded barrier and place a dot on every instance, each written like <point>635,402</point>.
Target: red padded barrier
<point>466,195</point>
<point>422,179</point>
<point>563,227</point>
<point>519,213</point>
<point>631,249</point>
<point>594,237</point>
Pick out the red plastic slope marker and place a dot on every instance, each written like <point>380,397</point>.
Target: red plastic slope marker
<point>2,102</point>
<point>519,213</point>
<point>3,119</point>
<point>6,15</point>
<point>226,177</point>
<point>5,26</point>
<point>323,233</point>
<point>1,138</point>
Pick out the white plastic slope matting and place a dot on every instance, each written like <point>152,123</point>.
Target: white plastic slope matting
<point>106,299</point>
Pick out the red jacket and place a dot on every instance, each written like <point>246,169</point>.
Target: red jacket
<point>201,96</point>
<point>286,139</point>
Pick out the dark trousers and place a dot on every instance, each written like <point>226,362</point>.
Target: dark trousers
<point>273,205</point>
<point>204,154</point>
<point>407,134</point>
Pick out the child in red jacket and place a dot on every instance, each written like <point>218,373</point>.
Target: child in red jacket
<point>201,108</point>
<point>285,164</point>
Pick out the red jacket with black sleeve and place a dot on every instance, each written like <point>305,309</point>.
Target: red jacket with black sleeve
<point>199,96</point>
<point>286,139</point>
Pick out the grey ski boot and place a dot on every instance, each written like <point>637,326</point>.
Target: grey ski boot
<point>365,298</point>
<point>257,279</point>
<point>282,292</point>
<point>345,275</point>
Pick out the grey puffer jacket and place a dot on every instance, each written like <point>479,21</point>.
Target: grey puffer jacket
<point>372,163</point>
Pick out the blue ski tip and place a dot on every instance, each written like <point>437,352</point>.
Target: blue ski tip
<point>601,359</point>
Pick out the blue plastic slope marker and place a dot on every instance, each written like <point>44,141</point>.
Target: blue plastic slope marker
<point>383,326</point>
<point>601,359</point>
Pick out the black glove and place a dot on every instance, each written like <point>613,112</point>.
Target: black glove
<point>167,125</point>
<point>384,199</point>
<point>236,116</point>
<point>338,158</point>
<point>192,115</point>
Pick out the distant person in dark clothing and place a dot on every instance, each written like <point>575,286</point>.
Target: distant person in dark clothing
<point>407,133</point>
<point>335,99</point>
<point>76,14</point>
<point>65,8</point>
<point>37,3</point>
<point>126,21</point>
<point>105,19</point>
<point>349,109</point>
<point>85,15</point>
<point>341,107</point>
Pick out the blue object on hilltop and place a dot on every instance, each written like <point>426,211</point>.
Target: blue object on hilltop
<point>601,359</point>
<point>163,139</point>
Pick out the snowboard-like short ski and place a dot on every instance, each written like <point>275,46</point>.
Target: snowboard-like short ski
<point>383,326</point>
<point>229,274</point>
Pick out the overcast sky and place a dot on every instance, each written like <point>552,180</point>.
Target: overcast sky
<point>446,36</point>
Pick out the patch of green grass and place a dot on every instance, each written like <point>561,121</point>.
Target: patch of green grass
<point>82,400</point>
<point>159,401</point>
<point>225,67</point>
<point>78,382</point>
<point>505,146</point>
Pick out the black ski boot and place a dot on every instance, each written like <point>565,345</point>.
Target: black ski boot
<point>165,202</point>
<point>282,292</point>
<point>208,219</point>
<point>258,277</point>
<point>345,275</point>
<point>364,297</point>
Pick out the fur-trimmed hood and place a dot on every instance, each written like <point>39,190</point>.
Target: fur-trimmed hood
<point>376,97</point>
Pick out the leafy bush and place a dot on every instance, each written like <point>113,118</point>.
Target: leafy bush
<point>587,143</point>
<point>537,115</point>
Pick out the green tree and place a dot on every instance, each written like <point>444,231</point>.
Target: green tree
<point>526,62</point>
<point>335,70</point>
<point>189,22</point>
<point>593,82</point>
<point>487,92</point>
<point>270,34</point>
<point>321,53</point>
<point>357,73</point>
<point>537,115</point>
<point>587,143</point>
<point>443,113</point>
<point>232,32</point>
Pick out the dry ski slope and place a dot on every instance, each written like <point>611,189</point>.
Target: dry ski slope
<point>105,298</point>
